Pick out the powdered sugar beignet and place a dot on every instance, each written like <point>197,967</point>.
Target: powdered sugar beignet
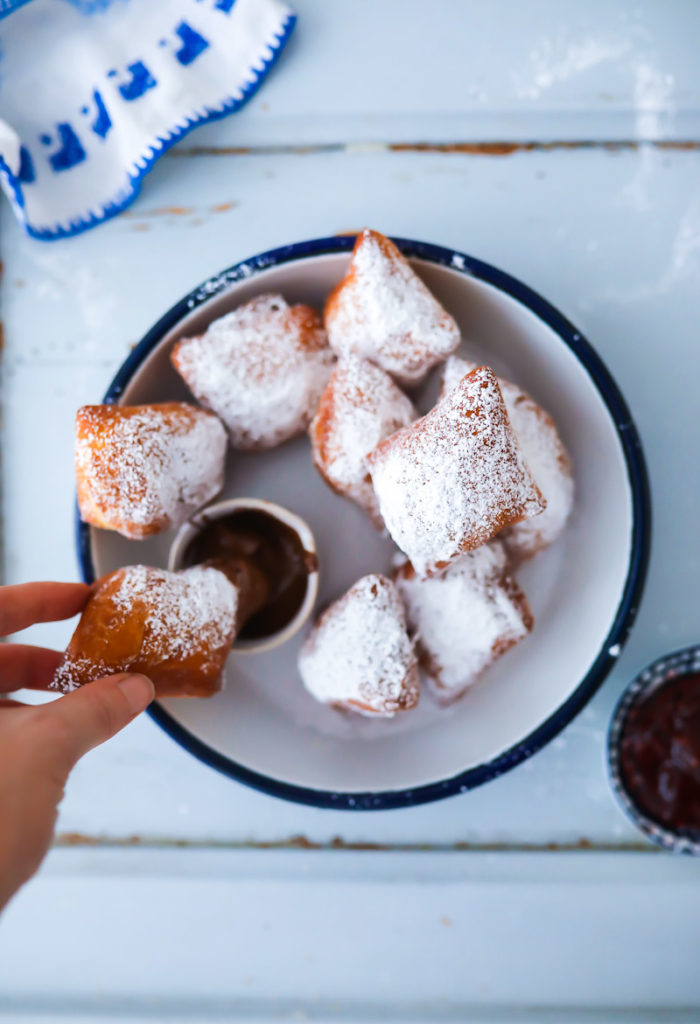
<point>142,469</point>
<point>261,369</point>
<point>450,481</point>
<point>464,618</point>
<point>359,408</point>
<point>547,460</point>
<point>383,312</point>
<point>175,627</point>
<point>358,656</point>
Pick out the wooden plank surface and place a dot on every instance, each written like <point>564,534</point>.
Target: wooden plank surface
<point>612,238</point>
<point>405,71</point>
<point>563,144</point>
<point>304,936</point>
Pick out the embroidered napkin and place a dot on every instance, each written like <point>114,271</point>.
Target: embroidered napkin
<point>92,92</point>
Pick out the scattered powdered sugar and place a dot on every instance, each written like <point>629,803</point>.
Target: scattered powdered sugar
<point>142,469</point>
<point>546,458</point>
<point>360,407</point>
<point>188,611</point>
<point>261,368</point>
<point>359,654</point>
<point>562,56</point>
<point>464,618</point>
<point>183,614</point>
<point>382,311</point>
<point>454,478</point>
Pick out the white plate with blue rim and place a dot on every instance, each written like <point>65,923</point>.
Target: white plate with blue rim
<point>264,729</point>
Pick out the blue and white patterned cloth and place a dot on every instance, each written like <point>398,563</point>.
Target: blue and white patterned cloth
<point>92,92</point>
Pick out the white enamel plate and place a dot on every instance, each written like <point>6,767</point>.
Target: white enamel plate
<point>263,729</point>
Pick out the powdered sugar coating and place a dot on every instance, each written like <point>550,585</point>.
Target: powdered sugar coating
<point>454,370</point>
<point>143,469</point>
<point>189,611</point>
<point>453,479</point>
<point>546,458</point>
<point>383,312</point>
<point>261,368</point>
<point>465,617</point>
<point>359,408</point>
<point>359,655</point>
<point>145,619</point>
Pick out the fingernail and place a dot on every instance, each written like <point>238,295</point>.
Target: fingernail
<point>139,692</point>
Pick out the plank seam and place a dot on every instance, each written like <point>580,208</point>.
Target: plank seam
<point>338,844</point>
<point>504,147</point>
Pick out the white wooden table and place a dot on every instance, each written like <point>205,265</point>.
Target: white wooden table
<point>562,143</point>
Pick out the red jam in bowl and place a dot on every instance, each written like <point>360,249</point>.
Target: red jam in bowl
<point>660,755</point>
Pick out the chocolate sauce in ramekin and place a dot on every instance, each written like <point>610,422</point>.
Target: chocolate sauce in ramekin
<point>266,561</point>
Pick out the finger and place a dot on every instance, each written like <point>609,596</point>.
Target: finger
<point>92,714</point>
<point>27,603</point>
<point>27,668</point>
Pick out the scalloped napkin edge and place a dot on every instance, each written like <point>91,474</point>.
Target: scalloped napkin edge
<point>127,81</point>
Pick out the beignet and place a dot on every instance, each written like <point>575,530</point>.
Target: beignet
<point>450,481</point>
<point>359,408</point>
<point>547,460</point>
<point>261,368</point>
<point>175,627</point>
<point>464,618</point>
<point>382,311</point>
<point>142,469</point>
<point>358,656</point>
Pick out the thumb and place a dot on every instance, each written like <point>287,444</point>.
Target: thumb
<point>93,713</point>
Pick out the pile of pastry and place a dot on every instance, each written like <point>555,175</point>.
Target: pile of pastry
<point>466,492</point>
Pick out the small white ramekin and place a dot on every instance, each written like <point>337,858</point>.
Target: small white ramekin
<point>224,508</point>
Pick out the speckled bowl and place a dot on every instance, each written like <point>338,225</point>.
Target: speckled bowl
<point>661,671</point>
<point>264,729</point>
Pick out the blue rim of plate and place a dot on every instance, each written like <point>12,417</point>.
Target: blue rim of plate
<point>670,666</point>
<point>639,549</point>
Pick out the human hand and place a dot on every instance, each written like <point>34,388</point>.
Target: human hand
<point>40,744</point>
